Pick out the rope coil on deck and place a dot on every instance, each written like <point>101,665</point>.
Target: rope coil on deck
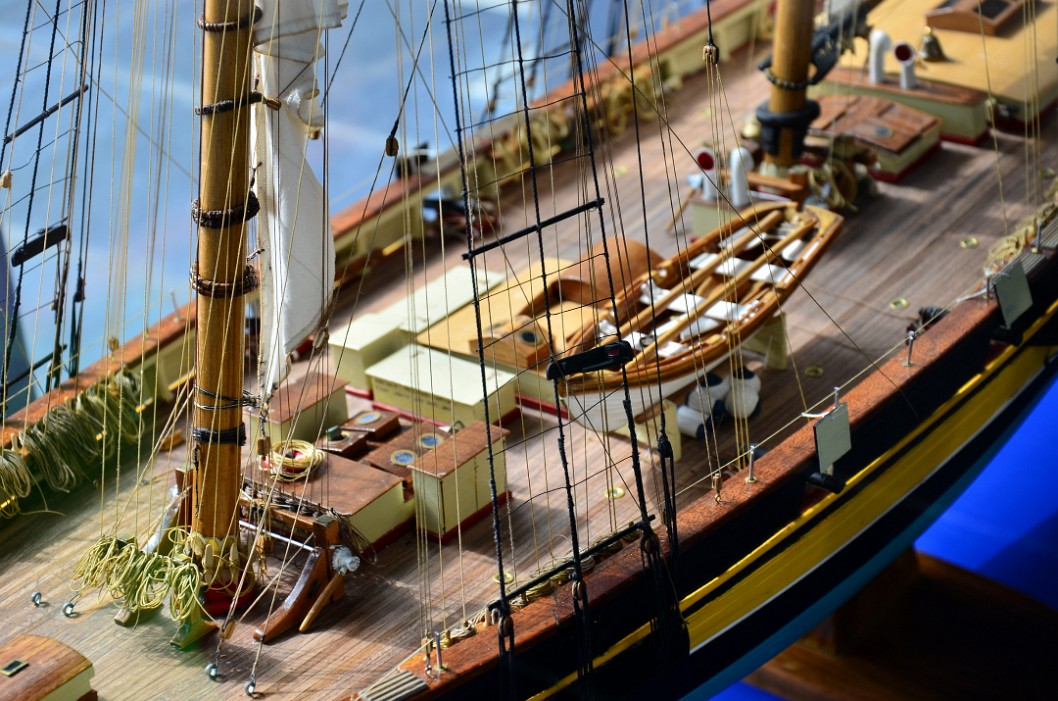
<point>98,419</point>
<point>294,460</point>
<point>140,580</point>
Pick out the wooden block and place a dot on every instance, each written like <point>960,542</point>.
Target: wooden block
<point>452,479</point>
<point>897,135</point>
<point>347,444</point>
<point>35,667</point>
<point>962,110</point>
<point>973,17</point>
<point>302,409</point>
<point>440,386</point>
<point>376,424</point>
<point>400,452</point>
<point>370,500</point>
<point>361,343</point>
<point>371,337</point>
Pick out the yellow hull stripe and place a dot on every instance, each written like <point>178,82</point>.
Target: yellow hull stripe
<point>786,567</point>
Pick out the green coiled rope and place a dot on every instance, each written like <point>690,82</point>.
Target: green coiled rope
<point>141,580</point>
<point>69,438</point>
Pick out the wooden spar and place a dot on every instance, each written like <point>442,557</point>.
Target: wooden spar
<point>221,264</point>
<point>788,75</point>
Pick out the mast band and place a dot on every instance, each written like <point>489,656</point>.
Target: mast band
<point>772,124</point>
<point>224,290</point>
<point>228,105</point>
<point>246,399</point>
<point>224,436</point>
<point>222,218</point>
<point>241,23</point>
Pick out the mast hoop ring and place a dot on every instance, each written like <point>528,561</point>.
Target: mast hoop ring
<point>223,436</point>
<point>223,218</point>
<point>235,25</point>
<point>224,290</point>
<point>784,84</point>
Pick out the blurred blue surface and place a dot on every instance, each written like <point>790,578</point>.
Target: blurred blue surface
<point>1005,526</point>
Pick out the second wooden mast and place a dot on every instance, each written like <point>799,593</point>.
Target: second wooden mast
<point>221,278</point>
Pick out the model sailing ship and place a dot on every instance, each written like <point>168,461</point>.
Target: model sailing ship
<point>599,555</point>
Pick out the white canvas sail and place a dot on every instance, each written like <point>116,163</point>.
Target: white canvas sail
<point>297,264</point>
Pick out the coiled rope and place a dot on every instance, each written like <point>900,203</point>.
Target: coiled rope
<point>294,460</point>
<point>141,580</point>
<point>70,437</point>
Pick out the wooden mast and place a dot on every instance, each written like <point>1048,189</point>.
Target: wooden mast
<point>224,205</point>
<point>788,112</point>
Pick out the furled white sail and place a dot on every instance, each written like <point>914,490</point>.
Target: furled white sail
<point>297,264</point>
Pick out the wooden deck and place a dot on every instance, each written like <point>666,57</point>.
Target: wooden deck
<point>905,243</point>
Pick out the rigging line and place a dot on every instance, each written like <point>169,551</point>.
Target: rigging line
<point>673,182</point>
<point>490,104</point>
<point>513,170</point>
<point>13,328</point>
<point>585,133</point>
<point>427,604</point>
<point>415,64</point>
<point>140,130</point>
<point>664,448</point>
<point>366,203</point>
<point>792,356</point>
<point>167,123</point>
<point>56,373</point>
<point>432,87</point>
<point>617,220</point>
<point>341,55</point>
<point>545,18</point>
<point>417,68</point>
<point>508,267</point>
<point>97,84</point>
<point>18,77</point>
<point>505,629</point>
<point>580,598</point>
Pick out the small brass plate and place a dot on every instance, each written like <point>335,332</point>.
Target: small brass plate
<point>507,578</point>
<point>968,242</point>
<point>615,492</point>
<point>13,667</point>
<point>899,303</point>
<point>813,371</point>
